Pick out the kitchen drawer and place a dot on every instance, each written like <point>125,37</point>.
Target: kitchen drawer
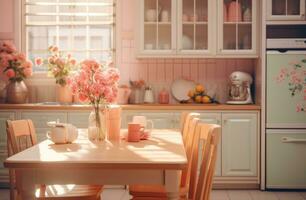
<point>78,119</point>
<point>40,118</point>
<point>286,160</point>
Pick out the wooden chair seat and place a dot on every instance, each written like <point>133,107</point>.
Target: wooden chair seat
<point>69,192</point>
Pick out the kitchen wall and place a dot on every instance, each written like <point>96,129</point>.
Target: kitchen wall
<point>158,73</point>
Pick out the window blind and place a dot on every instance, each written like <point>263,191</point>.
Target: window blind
<point>84,28</point>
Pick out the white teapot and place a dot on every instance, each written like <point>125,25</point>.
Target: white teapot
<point>62,133</point>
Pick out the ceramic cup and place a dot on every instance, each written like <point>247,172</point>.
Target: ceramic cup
<point>165,16</point>
<point>135,131</point>
<point>142,120</point>
<point>151,15</point>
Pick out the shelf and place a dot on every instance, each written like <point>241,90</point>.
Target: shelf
<point>239,23</point>
<point>157,23</point>
<point>196,23</point>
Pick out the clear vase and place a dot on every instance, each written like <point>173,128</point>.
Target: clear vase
<point>97,125</point>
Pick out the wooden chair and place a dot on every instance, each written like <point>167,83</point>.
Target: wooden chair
<point>200,186</point>
<point>155,192</point>
<point>21,135</point>
<point>186,118</point>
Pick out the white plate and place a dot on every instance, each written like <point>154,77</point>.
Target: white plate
<point>180,89</point>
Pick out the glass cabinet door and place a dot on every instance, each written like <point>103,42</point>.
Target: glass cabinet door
<point>237,25</point>
<point>193,26</point>
<point>158,22</point>
<point>286,9</point>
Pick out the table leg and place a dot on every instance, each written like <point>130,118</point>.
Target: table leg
<point>172,181</point>
<point>26,184</point>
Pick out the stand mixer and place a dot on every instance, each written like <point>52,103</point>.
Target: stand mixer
<point>240,88</point>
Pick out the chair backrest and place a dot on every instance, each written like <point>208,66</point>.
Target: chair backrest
<point>20,135</point>
<point>189,151</point>
<point>186,118</point>
<point>201,184</point>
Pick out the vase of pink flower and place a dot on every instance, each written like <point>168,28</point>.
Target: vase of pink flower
<point>59,67</point>
<point>98,85</point>
<point>16,68</point>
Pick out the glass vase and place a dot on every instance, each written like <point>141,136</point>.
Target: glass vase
<point>97,125</point>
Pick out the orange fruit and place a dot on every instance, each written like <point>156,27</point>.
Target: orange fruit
<point>199,88</point>
<point>206,99</point>
<point>198,99</point>
<point>191,93</point>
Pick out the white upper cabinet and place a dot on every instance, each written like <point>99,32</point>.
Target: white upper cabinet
<point>158,27</point>
<point>237,25</point>
<point>197,28</point>
<point>286,10</point>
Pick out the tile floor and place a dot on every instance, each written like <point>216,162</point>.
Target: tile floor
<point>120,194</point>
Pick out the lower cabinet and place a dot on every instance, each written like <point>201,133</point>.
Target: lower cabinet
<point>4,177</point>
<point>237,161</point>
<point>239,144</point>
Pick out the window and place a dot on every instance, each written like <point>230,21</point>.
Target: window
<point>84,28</point>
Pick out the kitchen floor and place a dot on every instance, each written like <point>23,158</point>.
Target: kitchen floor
<point>120,194</point>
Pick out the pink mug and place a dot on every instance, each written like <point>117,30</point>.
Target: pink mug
<point>134,132</point>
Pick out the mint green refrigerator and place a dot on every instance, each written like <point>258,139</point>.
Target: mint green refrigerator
<point>286,120</point>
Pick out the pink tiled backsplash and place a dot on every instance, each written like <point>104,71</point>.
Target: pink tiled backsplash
<point>160,73</point>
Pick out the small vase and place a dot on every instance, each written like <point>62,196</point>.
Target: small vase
<point>136,96</point>
<point>97,125</point>
<point>64,94</point>
<point>17,92</point>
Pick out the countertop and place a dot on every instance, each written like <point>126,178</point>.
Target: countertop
<point>77,107</point>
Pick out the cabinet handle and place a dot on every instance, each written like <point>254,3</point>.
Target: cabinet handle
<point>292,140</point>
<point>225,121</point>
<point>218,122</point>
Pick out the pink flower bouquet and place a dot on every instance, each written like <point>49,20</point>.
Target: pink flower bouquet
<point>59,66</point>
<point>14,65</point>
<point>96,84</point>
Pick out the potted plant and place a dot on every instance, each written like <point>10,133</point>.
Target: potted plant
<point>16,68</point>
<point>59,67</point>
<point>98,85</point>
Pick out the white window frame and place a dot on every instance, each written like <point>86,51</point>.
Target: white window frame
<point>20,36</point>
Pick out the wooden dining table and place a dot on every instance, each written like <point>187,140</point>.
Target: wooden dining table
<point>158,160</point>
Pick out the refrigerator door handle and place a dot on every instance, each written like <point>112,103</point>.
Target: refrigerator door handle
<point>292,140</point>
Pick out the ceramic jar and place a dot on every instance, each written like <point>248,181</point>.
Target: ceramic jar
<point>17,92</point>
<point>163,96</point>
<point>123,95</point>
<point>64,94</point>
<point>234,12</point>
<point>136,96</point>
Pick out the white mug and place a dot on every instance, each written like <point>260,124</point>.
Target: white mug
<point>142,120</point>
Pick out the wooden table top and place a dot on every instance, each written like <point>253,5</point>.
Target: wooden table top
<point>163,150</point>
